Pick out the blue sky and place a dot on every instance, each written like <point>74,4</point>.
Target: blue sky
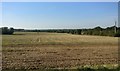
<point>58,15</point>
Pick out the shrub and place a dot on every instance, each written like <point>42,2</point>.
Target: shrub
<point>6,30</point>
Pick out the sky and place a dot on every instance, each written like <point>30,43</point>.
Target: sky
<point>59,0</point>
<point>59,15</point>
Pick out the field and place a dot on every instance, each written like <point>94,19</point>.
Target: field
<point>31,50</point>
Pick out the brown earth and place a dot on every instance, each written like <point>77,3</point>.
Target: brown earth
<point>57,50</point>
<point>58,56</point>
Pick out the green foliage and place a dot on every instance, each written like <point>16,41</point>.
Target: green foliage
<point>117,34</point>
<point>5,30</point>
<point>109,31</point>
<point>78,69</point>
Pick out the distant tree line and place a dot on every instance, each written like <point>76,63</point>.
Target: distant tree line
<point>71,31</point>
<point>109,31</point>
<point>6,30</point>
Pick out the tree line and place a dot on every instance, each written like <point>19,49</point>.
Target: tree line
<point>109,31</point>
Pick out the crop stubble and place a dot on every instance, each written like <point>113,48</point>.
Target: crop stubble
<point>53,50</point>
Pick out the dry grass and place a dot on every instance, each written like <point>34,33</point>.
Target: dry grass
<point>57,38</point>
<point>57,50</point>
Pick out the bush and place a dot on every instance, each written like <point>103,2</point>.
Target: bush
<point>5,30</point>
<point>117,34</point>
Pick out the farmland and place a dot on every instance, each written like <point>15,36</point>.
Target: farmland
<point>32,50</point>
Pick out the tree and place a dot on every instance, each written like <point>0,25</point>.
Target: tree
<point>11,30</point>
<point>5,30</point>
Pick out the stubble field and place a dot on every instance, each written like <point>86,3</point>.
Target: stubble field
<point>30,50</point>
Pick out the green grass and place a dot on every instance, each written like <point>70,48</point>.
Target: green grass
<point>78,69</point>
